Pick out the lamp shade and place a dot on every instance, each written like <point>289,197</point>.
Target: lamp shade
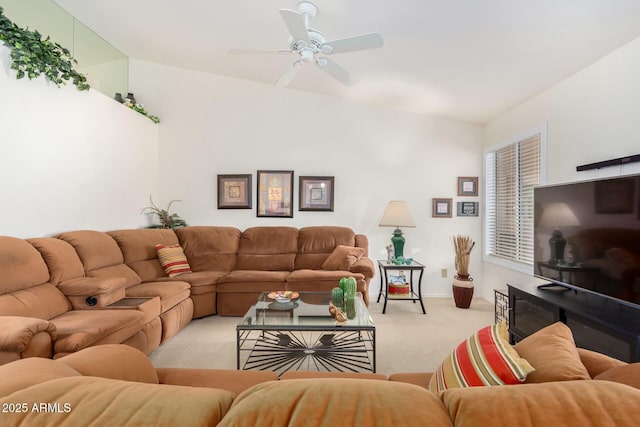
<point>396,215</point>
<point>558,214</point>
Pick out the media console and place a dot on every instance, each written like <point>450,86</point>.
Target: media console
<point>597,323</point>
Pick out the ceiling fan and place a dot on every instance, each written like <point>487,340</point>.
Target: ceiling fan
<point>311,45</point>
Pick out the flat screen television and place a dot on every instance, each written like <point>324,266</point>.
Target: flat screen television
<point>587,236</point>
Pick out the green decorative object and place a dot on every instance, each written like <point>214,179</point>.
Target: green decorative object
<point>337,296</point>
<point>351,308</point>
<point>343,284</point>
<point>31,55</point>
<point>350,288</point>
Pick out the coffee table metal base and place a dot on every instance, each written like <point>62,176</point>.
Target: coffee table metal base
<point>307,350</point>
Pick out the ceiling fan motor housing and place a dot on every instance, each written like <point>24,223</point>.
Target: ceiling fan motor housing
<point>316,40</point>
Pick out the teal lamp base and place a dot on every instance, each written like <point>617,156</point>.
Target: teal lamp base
<point>398,243</point>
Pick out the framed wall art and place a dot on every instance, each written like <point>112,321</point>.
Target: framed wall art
<point>468,208</point>
<point>441,208</point>
<point>316,193</point>
<point>467,186</point>
<point>275,194</point>
<point>234,191</point>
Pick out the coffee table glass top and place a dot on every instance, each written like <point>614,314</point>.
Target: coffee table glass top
<point>307,312</point>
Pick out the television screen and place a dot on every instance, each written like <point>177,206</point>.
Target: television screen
<point>587,236</point>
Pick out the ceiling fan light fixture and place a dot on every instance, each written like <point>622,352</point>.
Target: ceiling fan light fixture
<point>321,62</point>
<point>306,54</point>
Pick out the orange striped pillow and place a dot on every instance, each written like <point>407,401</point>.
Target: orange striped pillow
<point>486,358</point>
<point>173,260</point>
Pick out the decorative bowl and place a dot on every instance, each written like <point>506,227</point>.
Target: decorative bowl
<point>283,296</point>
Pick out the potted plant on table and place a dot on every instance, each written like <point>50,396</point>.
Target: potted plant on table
<point>462,281</point>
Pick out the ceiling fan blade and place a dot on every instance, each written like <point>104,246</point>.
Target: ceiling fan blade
<point>334,70</point>
<point>296,24</point>
<point>257,51</point>
<point>349,44</point>
<point>289,74</point>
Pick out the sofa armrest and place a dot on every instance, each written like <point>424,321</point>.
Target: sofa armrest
<point>596,363</point>
<point>364,266</point>
<point>93,292</point>
<point>16,332</point>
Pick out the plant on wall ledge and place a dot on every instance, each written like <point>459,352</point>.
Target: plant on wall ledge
<point>140,109</point>
<point>31,55</point>
<point>166,220</point>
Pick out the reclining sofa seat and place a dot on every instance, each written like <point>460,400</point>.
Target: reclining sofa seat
<point>138,247</point>
<point>41,319</point>
<point>101,257</point>
<point>266,256</point>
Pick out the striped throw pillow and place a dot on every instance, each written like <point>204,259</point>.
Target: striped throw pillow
<point>173,260</point>
<point>485,359</point>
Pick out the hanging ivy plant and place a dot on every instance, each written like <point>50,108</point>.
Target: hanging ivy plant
<point>31,55</point>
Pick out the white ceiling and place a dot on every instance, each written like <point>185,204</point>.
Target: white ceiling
<point>463,59</point>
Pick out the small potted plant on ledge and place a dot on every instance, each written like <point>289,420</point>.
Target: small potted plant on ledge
<point>166,220</point>
<point>462,281</point>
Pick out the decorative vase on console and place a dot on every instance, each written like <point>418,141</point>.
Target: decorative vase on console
<point>462,281</point>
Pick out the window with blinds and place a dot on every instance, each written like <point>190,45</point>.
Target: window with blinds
<point>511,173</point>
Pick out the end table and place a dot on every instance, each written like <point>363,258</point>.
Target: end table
<point>413,295</point>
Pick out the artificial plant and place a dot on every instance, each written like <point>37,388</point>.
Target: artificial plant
<point>165,219</point>
<point>31,55</point>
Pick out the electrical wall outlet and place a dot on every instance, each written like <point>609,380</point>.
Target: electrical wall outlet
<point>444,272</point>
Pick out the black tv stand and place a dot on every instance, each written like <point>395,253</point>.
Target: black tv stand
<point>598,323</point>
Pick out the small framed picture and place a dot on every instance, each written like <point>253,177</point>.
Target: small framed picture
<point>441,208</point>
<point>316,193</point>
<point>234,191</point>
<point>467,186</point>
<point>468,208</point>
<point>275,194</point>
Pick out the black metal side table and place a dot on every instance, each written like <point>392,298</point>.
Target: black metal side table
<point>413,295</point>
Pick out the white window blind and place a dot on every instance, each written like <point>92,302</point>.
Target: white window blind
<point>511,173</point>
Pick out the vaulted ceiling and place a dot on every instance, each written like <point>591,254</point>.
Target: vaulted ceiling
<point>463,59</point>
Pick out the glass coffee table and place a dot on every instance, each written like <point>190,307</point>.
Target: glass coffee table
<point>302,335</point>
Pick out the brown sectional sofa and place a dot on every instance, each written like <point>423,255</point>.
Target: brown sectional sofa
<point>117,385</point>
<point>84,288</point>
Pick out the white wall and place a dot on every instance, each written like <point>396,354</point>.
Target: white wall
<point>591,116</point>
<point>218,125</point>
<point>70,160</point>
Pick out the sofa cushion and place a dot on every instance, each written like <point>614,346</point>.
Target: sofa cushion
<point>628,374</point>
<point>336,402</point>
<point>552,352</point>
<point>596,362</point>
<point>342,258</point>
<point>210,248</point>
<point>171,293</point>
<point>44,302</point>
<point>21,265</point>
<point>100,255</point>
<point>253,281</point>
<point>267,249</point>
<point>116,361</point>
<point>173,260</point>
<point>226,379</point>
<point>105,402</point>
<point>486,358</point>
<point>138,248</point>
<point>24,373</point>
<point>79,329</point>
<point>569,403</point>
<point>61,259</point>
<point>316,243</point>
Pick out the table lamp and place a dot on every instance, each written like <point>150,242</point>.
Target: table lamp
<point>397,215</point>
<point>557,215</point>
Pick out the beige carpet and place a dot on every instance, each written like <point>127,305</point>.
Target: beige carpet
<point>406,339</point>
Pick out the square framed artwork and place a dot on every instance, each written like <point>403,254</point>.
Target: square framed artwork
<point>467,186</point>
<point>316,193</point>
<point>615,196</point>
<point>468,208</point>
<point>275,194</point>
<point>441,208</point>
<point>234,191</point>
